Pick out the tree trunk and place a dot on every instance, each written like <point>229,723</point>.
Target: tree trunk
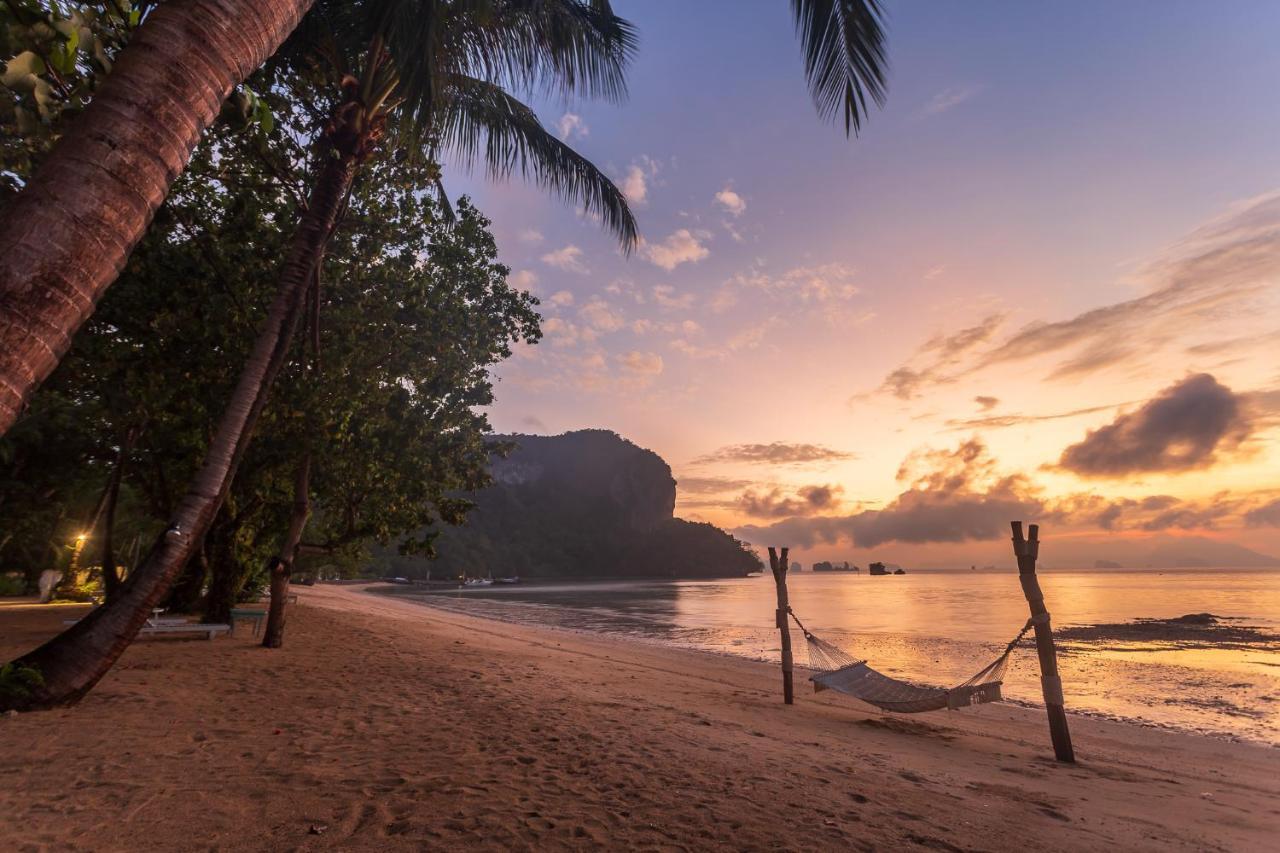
<point>67,235</point>
<point>76,659</point>
<point>282,565</point>
<point>226,579</point>
<point>184,596</point>
<point>110,578</point>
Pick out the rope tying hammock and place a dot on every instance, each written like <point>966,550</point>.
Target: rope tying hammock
<point>838,670</point>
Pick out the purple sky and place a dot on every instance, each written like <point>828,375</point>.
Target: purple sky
<point>1105,168</point>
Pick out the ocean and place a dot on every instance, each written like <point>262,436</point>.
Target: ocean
<point>940,627</point>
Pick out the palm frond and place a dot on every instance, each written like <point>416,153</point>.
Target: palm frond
<point>844,56</point>
<point>562,47</point>
<point>565,47</point>
<point>485,122</point>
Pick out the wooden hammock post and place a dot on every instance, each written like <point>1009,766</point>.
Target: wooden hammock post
<point>1027,550</point>
<point>779,566</point>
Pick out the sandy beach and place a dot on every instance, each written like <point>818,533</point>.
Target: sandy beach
<point>387,725</point>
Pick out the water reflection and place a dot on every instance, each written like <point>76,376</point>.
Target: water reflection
<point>941,627</point>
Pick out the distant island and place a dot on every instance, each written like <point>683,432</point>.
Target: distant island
<point>585,504</point>
<point>835,567</point>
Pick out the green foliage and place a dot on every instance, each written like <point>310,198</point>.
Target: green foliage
<point>52,466</point>
<point>55,53</point>
<point>17,681</point>
<point>12,583</point>
<point>414,311</point>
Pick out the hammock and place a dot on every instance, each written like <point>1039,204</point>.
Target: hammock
<point>837,670</point>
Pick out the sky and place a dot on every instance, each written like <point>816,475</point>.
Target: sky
<point>1043,283</point>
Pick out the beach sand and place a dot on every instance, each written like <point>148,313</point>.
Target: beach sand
<point>387,725</point>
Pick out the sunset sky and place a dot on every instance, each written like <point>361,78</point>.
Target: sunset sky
<point>1044,283</point>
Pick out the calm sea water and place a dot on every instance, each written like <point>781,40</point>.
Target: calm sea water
<point>941,627</point>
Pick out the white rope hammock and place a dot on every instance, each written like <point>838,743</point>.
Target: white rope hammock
<point>840,671</point>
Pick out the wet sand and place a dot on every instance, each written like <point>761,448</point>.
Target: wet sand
<point>384,724</point>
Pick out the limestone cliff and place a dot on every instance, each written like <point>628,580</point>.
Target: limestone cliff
<point>586,504</point>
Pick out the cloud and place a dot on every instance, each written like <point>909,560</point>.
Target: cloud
<point>1152,513</point>
<point>948,99</point>
<point>1182,428</point>
<point>1267,515</point>
<point>635,181</point>
<point>692,350</point>
<point>572,126</point>
<point>634,187</point>
<point>936,356</point>
<point>561,298</point>
<point>590,373</point>
<point>952,496</point>
<point>530,236</point>
<point>665,295</point>
<point>568,259</point>
<point>561,333</point>
<point>600,316</point>
<point>818,283</point>
<point>987,403</point>
<point>533,422</point>
<point>732,231</point>
<point>961,494</point>
<point>642,363</point>
<point>710,485</point>
<point>777,453</point>
<point>808,500</point>
<point>732,203</point>
<point>1223,271</point>
<point>523,279</point>
<point>1000,421</point>
<point>1197,282</point>
<point>681,246</point>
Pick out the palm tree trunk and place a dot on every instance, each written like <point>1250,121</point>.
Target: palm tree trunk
<point>110,578</point>
<point>227,575</point>
<point>184,593</point>
<point>282,565</point>
<point>76,659</point>
<point>66,237</point>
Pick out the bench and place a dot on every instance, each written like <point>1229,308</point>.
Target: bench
<point>210,631</point>
<point>248,613</point>
<point>158,624</point>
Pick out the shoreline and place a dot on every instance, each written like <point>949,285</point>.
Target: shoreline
<point>427,599</point>
<point>387,724</point>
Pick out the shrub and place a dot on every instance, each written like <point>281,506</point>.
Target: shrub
<point>12,584</point>
<point>17,681</point>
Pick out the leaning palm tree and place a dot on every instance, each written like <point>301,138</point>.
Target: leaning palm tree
<point>436,86</point>
<point>67,235</point>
